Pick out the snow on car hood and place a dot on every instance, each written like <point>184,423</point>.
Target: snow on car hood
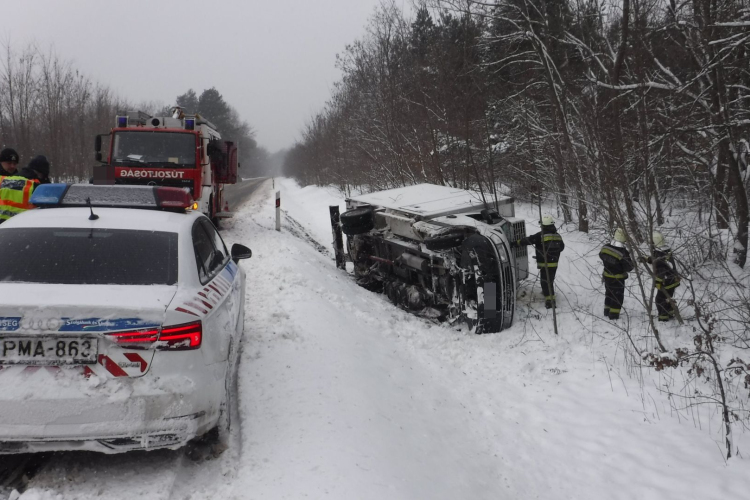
<point>33,306</point>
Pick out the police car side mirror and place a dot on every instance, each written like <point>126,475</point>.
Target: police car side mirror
<point>240,252</point>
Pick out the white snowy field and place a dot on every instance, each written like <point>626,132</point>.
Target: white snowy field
<point>344,396</point>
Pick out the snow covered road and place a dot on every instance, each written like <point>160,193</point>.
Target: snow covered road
<point>344,396</point>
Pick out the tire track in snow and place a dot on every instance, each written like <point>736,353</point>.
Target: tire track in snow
<point>296,229</point>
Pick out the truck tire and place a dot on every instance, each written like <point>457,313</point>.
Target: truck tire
<point>357,221</point>
<point>445,241</point>
<point>356,217</point>
<point>355,230</point>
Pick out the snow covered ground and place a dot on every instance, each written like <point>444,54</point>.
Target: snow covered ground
<point>344,396</point>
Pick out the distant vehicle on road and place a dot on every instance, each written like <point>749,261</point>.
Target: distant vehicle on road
<point>121,317</point>
<point>440,252</point>
<point>178,151</point>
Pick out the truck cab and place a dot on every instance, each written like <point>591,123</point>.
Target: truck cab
<point>180,150</point>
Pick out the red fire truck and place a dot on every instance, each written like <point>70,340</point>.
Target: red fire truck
<point>178,150</point>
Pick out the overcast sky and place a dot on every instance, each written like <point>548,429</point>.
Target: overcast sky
<point>274,60</point>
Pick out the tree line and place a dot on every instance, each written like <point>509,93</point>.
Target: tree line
<point>210,103</point>
<point>631,114</point>
<point>49,107</point>
<point>638,104</point>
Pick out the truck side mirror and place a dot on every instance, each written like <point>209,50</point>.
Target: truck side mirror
<point>98,147</point>
<point>214,149</point>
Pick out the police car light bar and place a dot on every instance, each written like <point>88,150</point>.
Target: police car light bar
<point>81,195</point>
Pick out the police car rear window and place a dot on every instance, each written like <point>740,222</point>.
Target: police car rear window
<point>88,256</point>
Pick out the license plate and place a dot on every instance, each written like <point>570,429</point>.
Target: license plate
<point>48,351</point>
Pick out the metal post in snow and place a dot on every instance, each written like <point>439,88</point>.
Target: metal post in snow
<point>338,239</point>
<point>278,210</point>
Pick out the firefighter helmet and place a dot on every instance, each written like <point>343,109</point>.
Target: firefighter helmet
<point>620,236</point>
<point>658,239</point>
<point>547,220</point>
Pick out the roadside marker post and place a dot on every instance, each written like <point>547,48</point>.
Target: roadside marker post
<point>278,210</point>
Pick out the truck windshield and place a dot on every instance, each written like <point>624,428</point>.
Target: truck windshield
<point>154,149</point>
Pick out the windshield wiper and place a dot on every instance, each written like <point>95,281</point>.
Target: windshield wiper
<point>171,164</point>
<point>129,159</point>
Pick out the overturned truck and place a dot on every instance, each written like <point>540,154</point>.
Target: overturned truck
<point>439,252</point>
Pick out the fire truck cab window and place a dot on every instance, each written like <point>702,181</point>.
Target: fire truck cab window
<point>154,149</point>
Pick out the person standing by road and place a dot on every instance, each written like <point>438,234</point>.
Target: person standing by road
<point>8,161</point>
<point>548,245</point>
<point>15,195</point>
<point>37,169</point>
<point>617,264</point>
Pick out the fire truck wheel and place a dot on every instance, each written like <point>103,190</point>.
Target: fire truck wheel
<point>445,241</point>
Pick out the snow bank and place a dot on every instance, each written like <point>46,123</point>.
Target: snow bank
<point>364,400</point>
<point>344,396</point>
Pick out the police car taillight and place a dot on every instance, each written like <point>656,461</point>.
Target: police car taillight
<point>138,339</point>
<point>181,337</point>
<point>172,338</point>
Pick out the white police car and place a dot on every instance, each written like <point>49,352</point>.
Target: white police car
<point>119,326</point>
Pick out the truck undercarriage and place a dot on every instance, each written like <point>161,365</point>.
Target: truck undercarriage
<point>455,267</point>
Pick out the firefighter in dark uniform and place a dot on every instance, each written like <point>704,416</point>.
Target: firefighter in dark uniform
<point>617,264</point>
<point>548,245</point>
<point>666,278</point>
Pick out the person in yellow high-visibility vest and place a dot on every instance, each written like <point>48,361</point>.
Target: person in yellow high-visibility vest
<point>15,193</point>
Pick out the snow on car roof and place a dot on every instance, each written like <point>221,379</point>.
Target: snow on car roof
<point>110,218</point>
<point>430,200</point>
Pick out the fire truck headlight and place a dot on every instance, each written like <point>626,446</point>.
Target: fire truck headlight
<point>195,206</point>
<point>189,123</point>
<point>122,121</point>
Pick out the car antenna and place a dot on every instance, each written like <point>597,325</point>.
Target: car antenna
<point>93,216</point>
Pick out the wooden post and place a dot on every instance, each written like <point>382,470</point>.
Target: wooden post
<point>338,238</point>
<point>278,210</point>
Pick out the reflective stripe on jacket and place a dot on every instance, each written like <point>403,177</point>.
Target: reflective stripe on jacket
<point>665,269</point>
<point>15,193</point>
<point>617,262</point>
<point>547,239</point>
